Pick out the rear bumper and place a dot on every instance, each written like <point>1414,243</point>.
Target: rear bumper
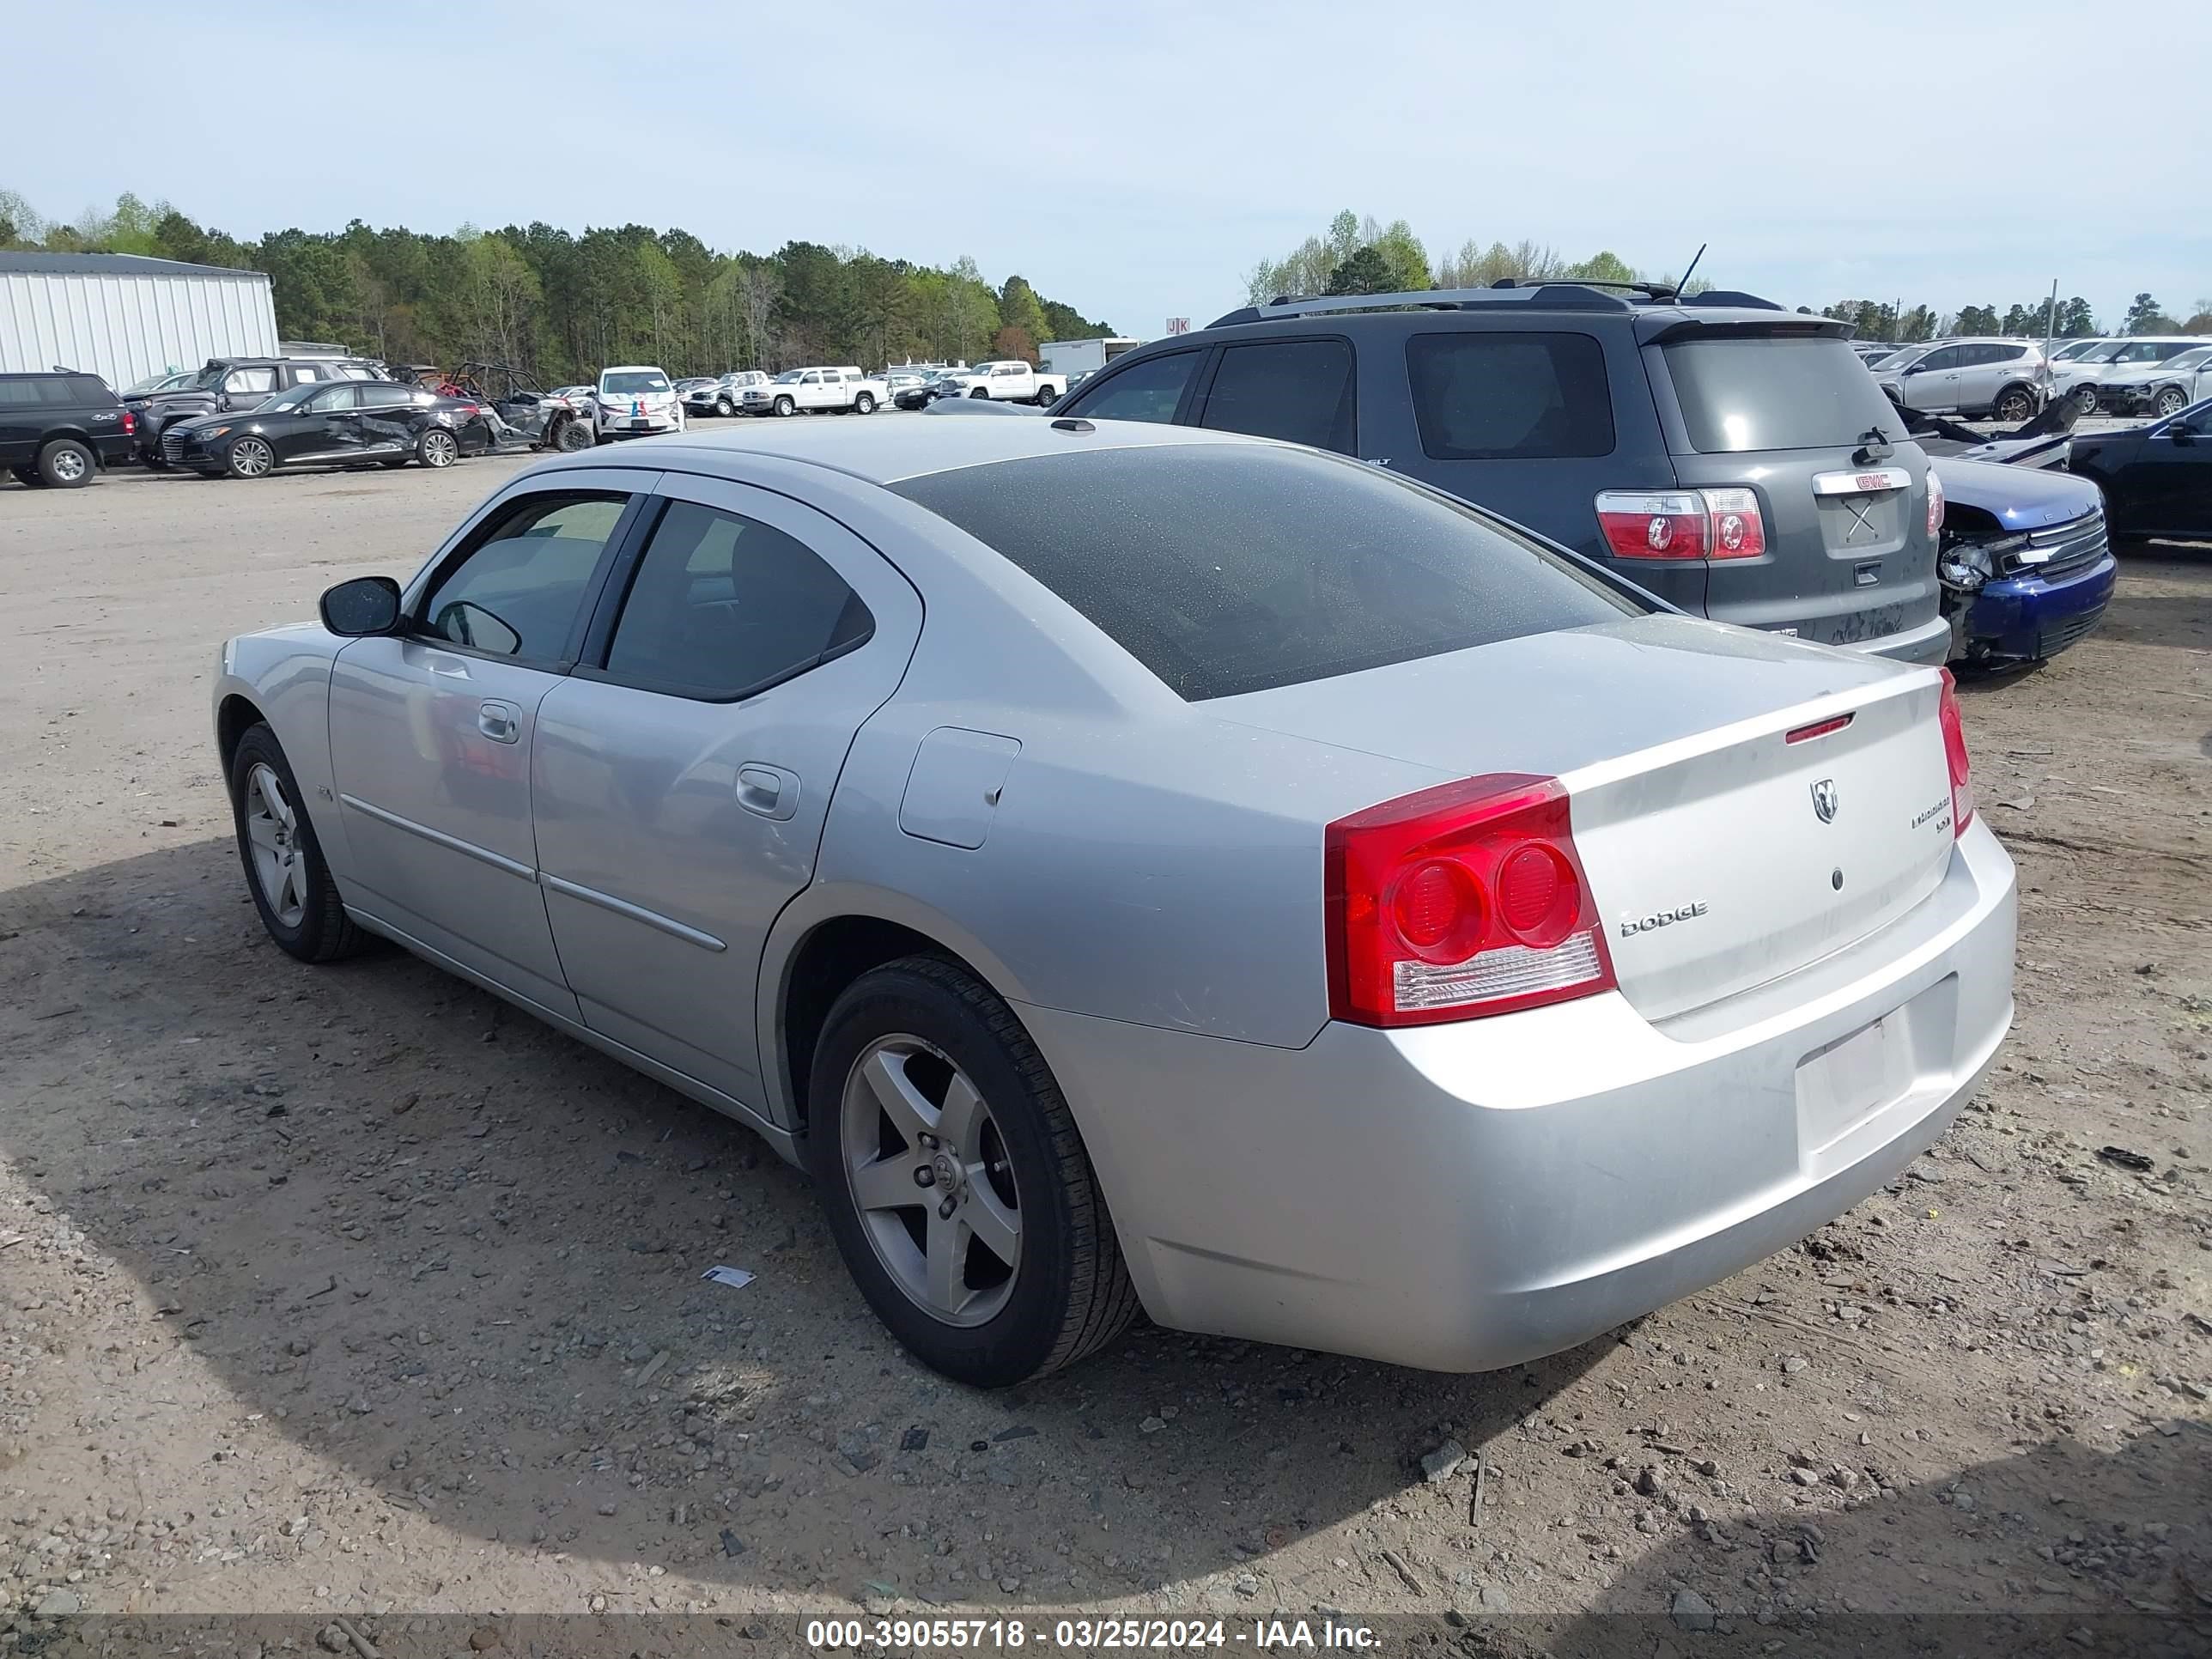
<point>1467,1197</point>
<point>2026,618</point>
<point>1930,643</point>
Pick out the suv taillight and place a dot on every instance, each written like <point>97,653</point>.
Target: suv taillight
<point>1459,902</point>
<point>1954,756</point>
<point>1682,524</point>
<point>1935,506</point>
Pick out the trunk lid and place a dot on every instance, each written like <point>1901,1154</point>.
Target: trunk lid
<point>1721,854</point>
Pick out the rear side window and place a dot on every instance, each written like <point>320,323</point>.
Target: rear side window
<point>1776,392</point>
<point>1146,391</point>
<point>1510,396</point>
<point>724,606</point>
<point>19,393</point>
<point>1297,390</point>
<point>1232,567</point>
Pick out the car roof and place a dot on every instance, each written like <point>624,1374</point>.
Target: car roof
<point>884,451</point>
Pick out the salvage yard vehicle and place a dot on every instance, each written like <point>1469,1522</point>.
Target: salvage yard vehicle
<point>832,388</point>
<point>1732,458</point>
<point>2003,379</point>
<point>59,428</point>
<point>2161,388</point>
<point>559,418</point>
<point>1069,838</point>
<point>226,384</point>
<point>1009,381</point>
<point>2026,568</point>
<point>2082,379</point>
<point>635,401</point>
<point>2157,479</point>
<point>340,423</point>
<point>720,396</point>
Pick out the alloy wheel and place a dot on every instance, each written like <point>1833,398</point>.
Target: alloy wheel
<point>439,449</point>
<point>69,467</point>
<point>272,831</point>
<point>250,457</point>
<point>2171,402</point>
<point>932,1180</point>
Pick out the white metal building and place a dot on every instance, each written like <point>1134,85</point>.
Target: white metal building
<point>123,318</point>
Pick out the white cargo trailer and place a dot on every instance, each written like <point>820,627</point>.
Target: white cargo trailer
<point>1077,356</point>
<point>123,318</point>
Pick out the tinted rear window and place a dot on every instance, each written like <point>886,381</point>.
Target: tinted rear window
<point>1231,569</point>
<point>1510,396</point>
<point>1776,392</point>
<point>1297,390</point>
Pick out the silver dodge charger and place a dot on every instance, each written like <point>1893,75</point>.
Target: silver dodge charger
<point>1140,867</point>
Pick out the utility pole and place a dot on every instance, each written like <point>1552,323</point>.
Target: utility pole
<point>2050,319</point>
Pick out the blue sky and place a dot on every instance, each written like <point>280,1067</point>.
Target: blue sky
<point>1135,160</point>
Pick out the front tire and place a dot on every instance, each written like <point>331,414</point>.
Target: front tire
<point>2087,397</point>
<point>725,408</point>
<point>2170,401</point>
<point>980,391</point>
<point>438,448</point>
<point>291,885</point>
<point>785,406</point>
<point>574,435</point>
<point>249,456</point>
<point>955,1181</point>
<point>65,464</point>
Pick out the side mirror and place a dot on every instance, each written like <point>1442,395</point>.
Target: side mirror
<point>361,607</point>
<point>1915,368</point>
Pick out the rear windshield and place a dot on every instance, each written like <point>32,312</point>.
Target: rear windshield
<point>1230,568</point>
<point>1776,392</point>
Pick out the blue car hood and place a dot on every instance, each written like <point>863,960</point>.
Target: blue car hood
<point>2017,498</point>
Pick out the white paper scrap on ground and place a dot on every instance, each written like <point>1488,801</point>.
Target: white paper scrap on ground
<point>728,1276</point>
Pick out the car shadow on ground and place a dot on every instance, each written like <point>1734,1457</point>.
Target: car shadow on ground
<point>432,1242</point>
<point>2062,1550</point>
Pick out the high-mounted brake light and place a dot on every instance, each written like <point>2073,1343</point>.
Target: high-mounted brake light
<point>1934,505</point>
<point>1459,902</point>
<point>1682,524</point>
<point>1954,756</point>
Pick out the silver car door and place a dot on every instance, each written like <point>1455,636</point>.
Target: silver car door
<point>683,772</point>
<point>431,732</point>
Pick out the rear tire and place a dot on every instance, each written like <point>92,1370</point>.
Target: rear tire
<point>865,404</point>
<point>2013,404</point>
<point>1022,1172</point>
<point>290,884</point>
<point>65,464</point>
<point>437,448</point>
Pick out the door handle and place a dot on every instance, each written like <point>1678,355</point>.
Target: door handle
<point>767,790</point>
<point>500,722</point>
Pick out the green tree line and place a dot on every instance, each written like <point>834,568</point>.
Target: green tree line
<point>565,306</point>
<point>1357,255</point>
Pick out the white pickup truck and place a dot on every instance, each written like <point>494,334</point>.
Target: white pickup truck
<point>1012,381</point>
<point>810,391</point>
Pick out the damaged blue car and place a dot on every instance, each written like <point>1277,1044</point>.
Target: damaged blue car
<point>2024,561</point>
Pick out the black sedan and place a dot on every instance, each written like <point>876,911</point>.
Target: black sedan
<point>2157,479</point>
<point>920,394</point>
<point>340,423</point>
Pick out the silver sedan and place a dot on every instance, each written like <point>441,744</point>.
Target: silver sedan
<point>1134,866</point>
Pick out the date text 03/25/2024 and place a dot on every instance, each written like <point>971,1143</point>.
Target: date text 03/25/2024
<point>1095,1635</point>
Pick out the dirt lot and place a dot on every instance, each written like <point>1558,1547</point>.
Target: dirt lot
<point>352,1293</point>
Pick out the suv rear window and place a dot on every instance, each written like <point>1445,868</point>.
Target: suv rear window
<point>1743,392</point>
<point>1510,396</point>
<point>1225,568</point>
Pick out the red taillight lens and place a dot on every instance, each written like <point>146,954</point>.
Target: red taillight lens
<point>1682,524</point>
<point>1934,505</point>
<point>130,424</point>
<point>1955,755</point>
<point>1461,901</point>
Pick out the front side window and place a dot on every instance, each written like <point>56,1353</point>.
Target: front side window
<point>1510,396</point>
<point>1150,389</point>
<point>723,607</point>
<point>1299,390</point>
<point>261,381</point>
<point>518,591</point>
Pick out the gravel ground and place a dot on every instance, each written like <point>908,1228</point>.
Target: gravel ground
<point>351,1294</point>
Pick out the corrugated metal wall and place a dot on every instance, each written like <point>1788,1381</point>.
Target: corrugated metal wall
<point>124,328</point>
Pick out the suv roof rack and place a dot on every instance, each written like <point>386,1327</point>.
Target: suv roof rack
<point>1565,294</point>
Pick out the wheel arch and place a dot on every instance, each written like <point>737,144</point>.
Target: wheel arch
<point>234,716</point>
<point>2011,386</point>
<point>822,942</point>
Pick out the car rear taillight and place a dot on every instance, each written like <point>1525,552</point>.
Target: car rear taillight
<point>1682,524</point>
<point>1954,756</point>
<point>1934,505</point>
<point>1459,902</point>
<point>130,424</point>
